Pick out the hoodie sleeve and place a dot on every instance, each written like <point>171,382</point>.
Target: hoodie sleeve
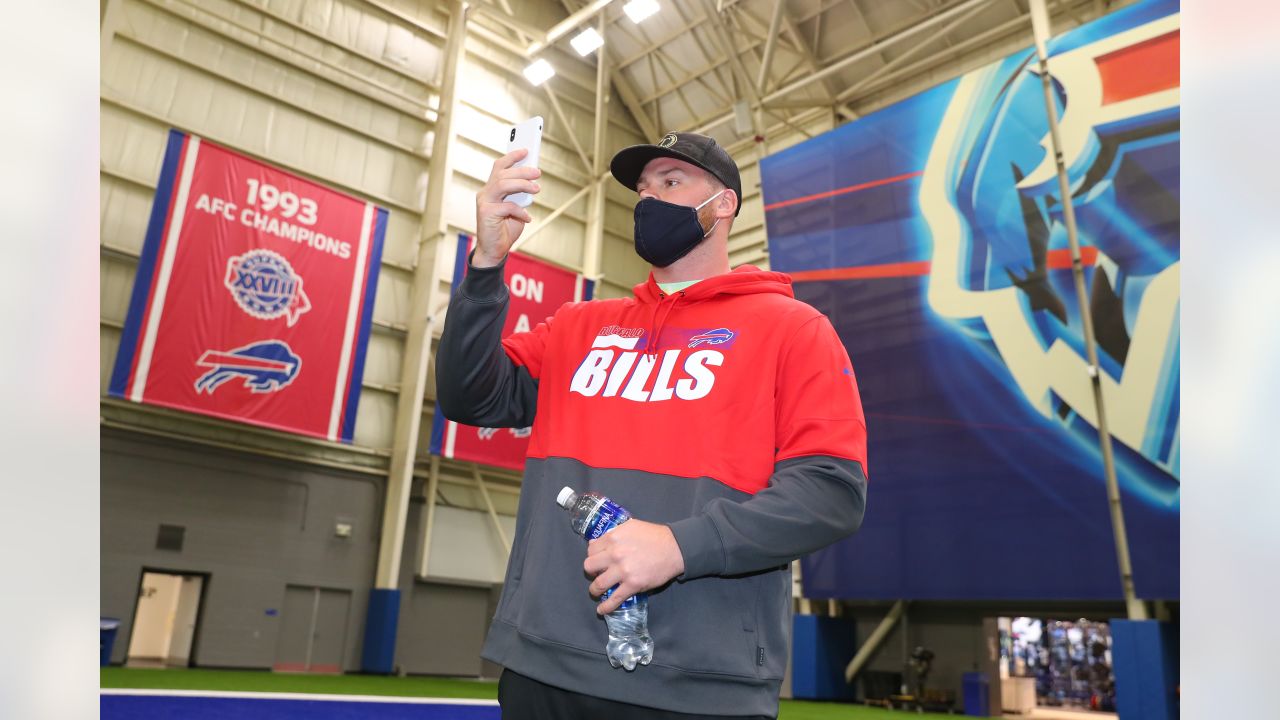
<point>817,493</point>
<point>481,379</point>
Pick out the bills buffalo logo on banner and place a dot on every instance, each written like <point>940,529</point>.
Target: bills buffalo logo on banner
<point>1119,108</point>
<point>219,322</point>
<point>265,367</point>
<point>264,285</point>
<point>932,233</point>
<point>537,289</point>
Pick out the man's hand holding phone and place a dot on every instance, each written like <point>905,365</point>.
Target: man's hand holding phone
<point>501,203</point>
<point>499,222</point>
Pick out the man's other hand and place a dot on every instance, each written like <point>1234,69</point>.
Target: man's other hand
<point>636,556</point>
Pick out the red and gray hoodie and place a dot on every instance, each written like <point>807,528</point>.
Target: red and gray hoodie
<point>728,411</point>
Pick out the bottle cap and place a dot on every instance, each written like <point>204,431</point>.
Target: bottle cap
<point>566,497</point>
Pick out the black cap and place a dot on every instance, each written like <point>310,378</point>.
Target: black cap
<point>693,148</point>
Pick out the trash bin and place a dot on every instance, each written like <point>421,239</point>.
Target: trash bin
<point>106,639</point>
<point>977,689</point>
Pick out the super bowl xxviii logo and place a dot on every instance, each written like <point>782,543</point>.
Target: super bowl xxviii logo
<point>266,287</point>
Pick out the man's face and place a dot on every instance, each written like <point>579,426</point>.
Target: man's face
<point>675,181</point>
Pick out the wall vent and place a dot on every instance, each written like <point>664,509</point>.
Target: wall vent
<point>170,537</point>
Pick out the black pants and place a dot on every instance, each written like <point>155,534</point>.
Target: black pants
<point>524,698</point>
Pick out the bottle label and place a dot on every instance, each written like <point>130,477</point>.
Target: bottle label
<point>606,517</point>
<point>626,604</point>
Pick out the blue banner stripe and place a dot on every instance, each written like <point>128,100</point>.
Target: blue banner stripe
<point>147,264</point>
<point>374,264</point>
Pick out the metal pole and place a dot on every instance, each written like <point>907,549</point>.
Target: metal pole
<point>594,246</point>
<point>740,70</point>
<point>417,352</point>
<point>904,688</point>
<point>565,25</point>
<point>1040,27</point>
<point>573,137</point>
<point>547,220</point>
<point>493,512</point>
<point>770,43</point>
<point>877,636</point>
<point>429,515</point>
<point>908,54</point>
<point>853,58</point>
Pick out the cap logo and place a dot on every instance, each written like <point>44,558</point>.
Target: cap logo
<point>668,141</point>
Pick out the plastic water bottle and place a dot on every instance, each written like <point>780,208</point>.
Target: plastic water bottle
<point>592,515</point>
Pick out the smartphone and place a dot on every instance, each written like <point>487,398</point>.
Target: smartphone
<point>528,135</point>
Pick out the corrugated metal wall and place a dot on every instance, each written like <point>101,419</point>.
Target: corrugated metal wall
<point>251,526</point>
<point>343,92</point>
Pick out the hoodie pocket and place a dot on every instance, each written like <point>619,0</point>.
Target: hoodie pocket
<point>773,623</point>
<point>708,625</point>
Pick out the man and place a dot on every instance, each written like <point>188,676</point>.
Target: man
<point>719,410</point>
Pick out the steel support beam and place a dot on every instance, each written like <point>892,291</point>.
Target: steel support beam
<point>493,513</point>
<point>984,39</point>
<point>860,54</point>
<point>429,516</point>
<point>564,121</point>
<point>1040,27</point>
<point>873,643</point>
<point>594,241</point>
<point>417,351</point>
<point>898,61</point>
<point>626,90</point>
<point>488,35</point>
<point>631,99</point>
<point>564,26</point>
<point>537,228</point>
<point>876,47</point>
<point>771,42</point>
<point>504,18</point>
<point>744,78</point>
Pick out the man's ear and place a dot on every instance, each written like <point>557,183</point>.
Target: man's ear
<point>727,203</point>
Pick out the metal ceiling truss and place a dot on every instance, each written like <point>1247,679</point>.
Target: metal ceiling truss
<point>760,53</point>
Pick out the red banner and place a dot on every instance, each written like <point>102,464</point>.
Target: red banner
<point>537,290</point>
<point>254,295</point>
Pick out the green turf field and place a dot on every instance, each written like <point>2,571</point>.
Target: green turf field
<point>255,681</point>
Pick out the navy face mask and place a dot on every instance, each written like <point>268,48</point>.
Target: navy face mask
<point>666,232</point>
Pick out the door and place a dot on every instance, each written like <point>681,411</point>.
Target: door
<point>313,630</point>
<point>294,642</point>
<point>185,613</point>
<point>164,624</point>
<point>330,635</point>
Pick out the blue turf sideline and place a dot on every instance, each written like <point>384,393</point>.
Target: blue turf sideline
<point>120,704</point>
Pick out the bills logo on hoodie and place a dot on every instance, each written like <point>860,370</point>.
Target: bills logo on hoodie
<point>622,363</point>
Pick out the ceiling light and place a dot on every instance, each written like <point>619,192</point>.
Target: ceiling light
<point>586,41</point>
<point>539,71</point>
<point>638,10</point>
